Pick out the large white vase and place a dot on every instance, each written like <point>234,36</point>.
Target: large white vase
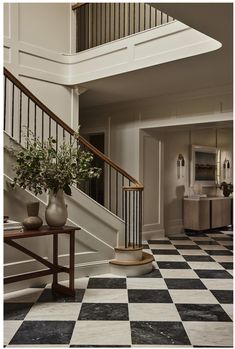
<point>56,211</point>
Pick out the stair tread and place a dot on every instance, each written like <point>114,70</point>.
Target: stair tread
<point>147,258</point>
<point>130,248</point>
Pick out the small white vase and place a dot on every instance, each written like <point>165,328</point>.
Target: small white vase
<point>56,211</point>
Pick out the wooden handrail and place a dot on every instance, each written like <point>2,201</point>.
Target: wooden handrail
<point>78,4</point>
<point>59,121</point>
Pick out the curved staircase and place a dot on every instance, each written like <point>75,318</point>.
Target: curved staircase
<point>123,193</point>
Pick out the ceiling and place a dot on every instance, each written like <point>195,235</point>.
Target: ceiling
<point>212,69</point>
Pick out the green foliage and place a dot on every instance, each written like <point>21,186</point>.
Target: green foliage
<point>40,167</point>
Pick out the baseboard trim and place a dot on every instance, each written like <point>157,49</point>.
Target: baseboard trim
<point>154,234</point>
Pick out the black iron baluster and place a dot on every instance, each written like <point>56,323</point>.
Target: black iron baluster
<point>96,22</point>
<point>105,23</point>
<point>125,217</point>
<point>144,16</point>
<point>42,127</point>
<point>124,19</point>
<point>140,217</point>
<point>49,126</point>
<point>136,216</point>
<point>110,182</point>
<point>63,135</point>
<point>134,18</point>
<point>116,192</point>
<point>139,17</point>
<point>122,196</point>
<point>119,22</point>
<point>88,25</point>
<point>35,120</point>
<point>129,19</point>
<point>110,21</point>
<point>114,21</point>
<point>5,103</point>
<point>56,130</point>
<point>12,110</point>
<point>150,12</point>
<point>129,218</point>
<point>20,121</point>
<point>133,212</point>
<point>28,122</point>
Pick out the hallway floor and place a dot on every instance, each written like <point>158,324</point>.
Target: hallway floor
<point>185,301</point>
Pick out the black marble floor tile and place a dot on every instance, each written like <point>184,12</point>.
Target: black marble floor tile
<point>185,284</point>
<point>173,265</point>
<point>227,265</point>
<point>202,312</point>
<point>219,252</point>
<point>40,285</point>
<point>49,296</point>
<point>195,233</point>
<point>229,247</point>
<point>187,247</point>
<point>165,251</point>
<point>160,242</point>
<point>196,258</point>
<point>149,296</point>
<point>107,283</point>
<point>207,242</point>
<point>104,311</point>
<point>158,333</point>
<point>99,346</point>
<point>155,273</point>
<point>214,231</point>
<point>16,311</point>
<point>223,296</point>
<point>44,332</point>
<point>224,238</point>
<point>145,246</point>
<point>182,238</point>
<point>213,274</point>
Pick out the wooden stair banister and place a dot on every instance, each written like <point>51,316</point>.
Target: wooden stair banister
<point>124,199</point>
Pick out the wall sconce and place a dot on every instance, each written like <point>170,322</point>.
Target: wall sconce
<point>180,166</point>
<point>226,169</point>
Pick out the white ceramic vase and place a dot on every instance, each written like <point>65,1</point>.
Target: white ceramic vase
<point>56,211</point>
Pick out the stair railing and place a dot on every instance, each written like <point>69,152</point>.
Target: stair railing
<point>99,23</point>
<point>123,193</point>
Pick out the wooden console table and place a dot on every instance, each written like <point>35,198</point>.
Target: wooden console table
<point>53,268</point>
<point>207,213</point>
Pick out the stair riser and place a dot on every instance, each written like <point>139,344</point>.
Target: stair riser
<point>125,256</point>
<point>136,270</point>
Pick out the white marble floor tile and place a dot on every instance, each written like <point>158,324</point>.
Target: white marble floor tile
<point>80,283</point>
<point>105,296</point>
<point>213,247</point>
<point>27,295</point>
<point>146,283</point>
<point>162,247</point>
<point>153,312</point>
<point>193,297</point>
<point>9,330</point>
<point>218,334</point>
<point>228,308</point>
<point>221,259</point>
<point>230,272</point>
<point>205,265</point>
<point>192,252</point>
<point>218,284</point>
<point>54,311</point>
<point>168,258</point>
<point>101,333</point>
<point>179,274</point>
<point>107,275</point>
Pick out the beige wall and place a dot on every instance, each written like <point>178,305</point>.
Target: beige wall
<point>33,31</point>
<point>132,143</point>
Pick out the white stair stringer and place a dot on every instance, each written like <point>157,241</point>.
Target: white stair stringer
<point>100,232</point>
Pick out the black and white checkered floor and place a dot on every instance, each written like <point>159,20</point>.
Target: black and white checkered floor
<point>185,301</point>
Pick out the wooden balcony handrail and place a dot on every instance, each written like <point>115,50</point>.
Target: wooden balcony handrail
<point>60,122</point>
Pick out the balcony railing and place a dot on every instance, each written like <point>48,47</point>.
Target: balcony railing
<point>99,23</point>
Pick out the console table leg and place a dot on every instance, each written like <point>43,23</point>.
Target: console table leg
<point>55,257</point>
<point>71,260</point>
